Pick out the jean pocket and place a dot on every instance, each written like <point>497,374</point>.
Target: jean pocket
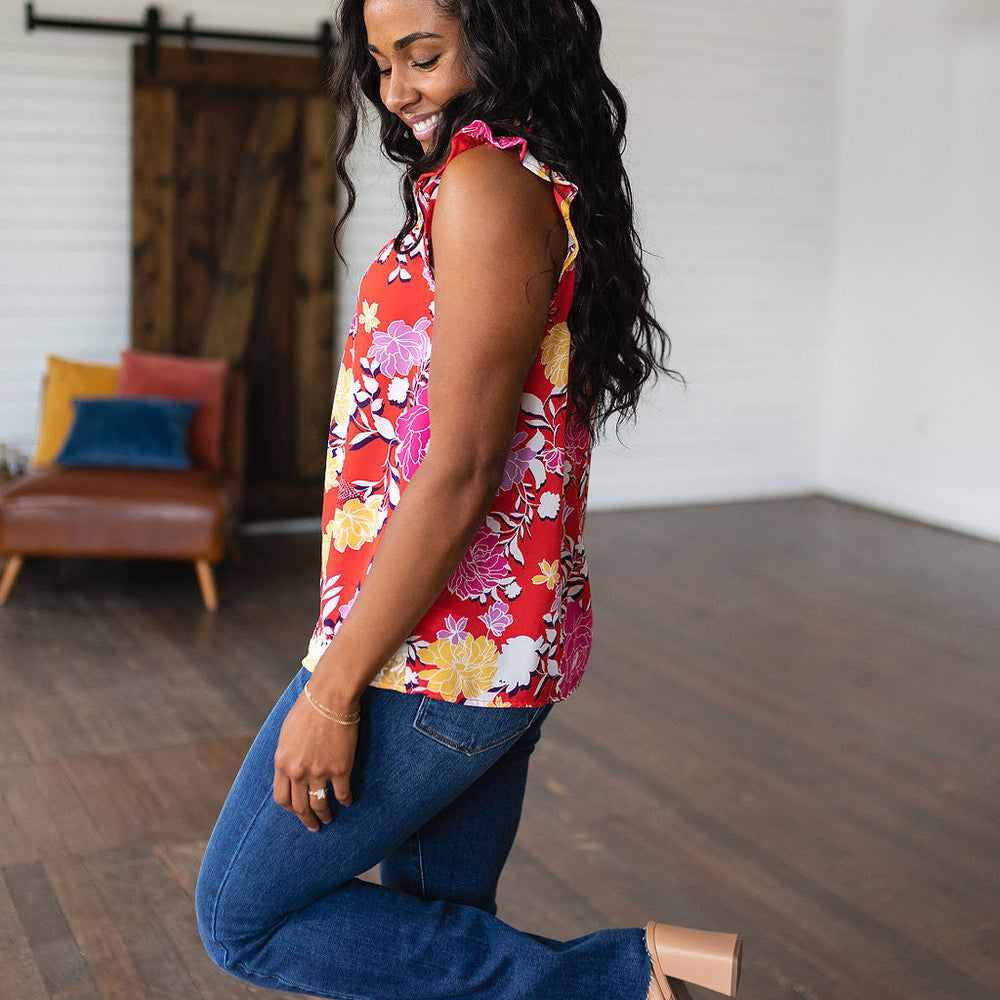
<point>471,729</point>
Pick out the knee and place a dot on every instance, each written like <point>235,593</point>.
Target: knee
<point>215,912</point>
<point>206,898</point>
<point>231,952</point>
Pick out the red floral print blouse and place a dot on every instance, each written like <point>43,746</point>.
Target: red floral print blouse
<point>513,626</point>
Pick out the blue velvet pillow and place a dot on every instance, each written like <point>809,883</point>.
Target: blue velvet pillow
<point>139,432</point>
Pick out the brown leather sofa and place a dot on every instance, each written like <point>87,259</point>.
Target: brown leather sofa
<point>131,513</point>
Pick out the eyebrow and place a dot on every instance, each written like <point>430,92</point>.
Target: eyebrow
<point>407,40</point>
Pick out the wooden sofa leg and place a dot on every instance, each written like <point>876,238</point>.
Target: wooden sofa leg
<point>10,571</point>
<point>207,583</point>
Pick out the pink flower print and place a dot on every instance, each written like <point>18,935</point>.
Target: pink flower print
<point>345,610</point>
<point>553,458</point>
<point>397,350</point>
<point>518,462</point>
<point>346,491</point>
<point>496,619</point>
<point>413,430</point>
<point>577,440</point>
<point>578,634</point>
<point>482,569</point>
<point>478,130</point>
<point>454,631</point>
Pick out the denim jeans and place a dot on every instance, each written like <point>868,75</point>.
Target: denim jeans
<point>438,790</point>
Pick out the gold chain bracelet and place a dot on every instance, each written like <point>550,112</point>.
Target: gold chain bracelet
<point>342,720</point>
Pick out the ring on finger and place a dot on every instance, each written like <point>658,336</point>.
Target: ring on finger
<point>317,793</point>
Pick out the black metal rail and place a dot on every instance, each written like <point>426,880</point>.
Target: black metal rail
<point>154,30</point>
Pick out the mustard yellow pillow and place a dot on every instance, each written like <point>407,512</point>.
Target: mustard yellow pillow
<point>64,380</point>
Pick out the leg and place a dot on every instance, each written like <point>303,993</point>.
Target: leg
<point>207,583</point>
<point>458,855</point>
<point>282,908</point>
<point>10,571</point>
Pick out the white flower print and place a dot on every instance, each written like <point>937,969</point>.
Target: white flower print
<point>399,389</point>
<point>548,506</point>
<point>517,662</point>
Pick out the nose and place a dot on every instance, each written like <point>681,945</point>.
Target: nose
<point>399,91</point>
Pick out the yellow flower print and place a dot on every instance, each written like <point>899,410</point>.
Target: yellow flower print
<point>459,669</point>
<point>549,574</point>
<point>327,541</point>
<point>555,355</point>
<point>357,523</point>
<point>369,316</point>
<point>342,398</point>
<point>334,466</point>
<point>393,674</point>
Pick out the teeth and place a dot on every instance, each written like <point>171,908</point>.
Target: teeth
<point>424,128</point>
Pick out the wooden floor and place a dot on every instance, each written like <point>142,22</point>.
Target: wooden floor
<point>789,728</point>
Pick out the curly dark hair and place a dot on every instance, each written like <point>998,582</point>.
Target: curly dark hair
<point>536,73</point>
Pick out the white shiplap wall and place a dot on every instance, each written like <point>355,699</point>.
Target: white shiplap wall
<point>731,154</point>
<point>731,147</point>
<point>64,176</point>
<point>913,386</point>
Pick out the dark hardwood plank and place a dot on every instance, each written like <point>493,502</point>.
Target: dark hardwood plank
<point>314,270</point>
<point>179,65</point>
<point>154,203</point>
<point>95,931</point>
<point>19,975</point>
<point>57,955</point>
<point>49,813</point>
<point>258,189</point>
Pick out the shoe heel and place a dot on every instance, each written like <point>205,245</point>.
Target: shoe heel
<point>704,958</point>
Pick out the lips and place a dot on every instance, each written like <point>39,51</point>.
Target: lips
<point>424,128</point>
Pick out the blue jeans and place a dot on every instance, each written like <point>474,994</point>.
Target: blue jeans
<point>438,790</point>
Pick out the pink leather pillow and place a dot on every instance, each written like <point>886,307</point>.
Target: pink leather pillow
<point>145,373</point>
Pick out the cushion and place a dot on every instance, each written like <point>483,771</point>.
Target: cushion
<point>65,379</point>
<point>133,432</point>
<point>169,376</point>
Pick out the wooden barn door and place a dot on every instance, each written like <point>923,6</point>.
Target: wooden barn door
<point>233,210</point>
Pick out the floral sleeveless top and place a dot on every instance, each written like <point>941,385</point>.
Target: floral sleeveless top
<point>513,626</point>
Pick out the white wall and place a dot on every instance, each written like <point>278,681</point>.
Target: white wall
<point>913,374</point>
<point>64,180</point>
<point>731,153</point>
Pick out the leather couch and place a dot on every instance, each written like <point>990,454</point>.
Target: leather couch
<point>190,515</point>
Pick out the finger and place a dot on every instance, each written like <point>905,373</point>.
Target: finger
<point>320,802</point>
<point>342,789</point>
<point>302,807</point>
<point>282,790</point>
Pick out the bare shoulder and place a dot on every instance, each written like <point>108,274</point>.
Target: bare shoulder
<point>493,183</point>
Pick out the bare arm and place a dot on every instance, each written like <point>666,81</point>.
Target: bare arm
<point>498,243</point>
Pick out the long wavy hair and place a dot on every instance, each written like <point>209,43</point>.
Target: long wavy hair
<point>536,73</point>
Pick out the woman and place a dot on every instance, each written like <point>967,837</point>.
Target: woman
<point>455,607</point>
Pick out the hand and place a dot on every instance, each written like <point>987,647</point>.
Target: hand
<point>312,752</point>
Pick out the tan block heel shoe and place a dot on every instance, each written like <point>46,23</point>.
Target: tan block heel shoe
<point>705,958</point>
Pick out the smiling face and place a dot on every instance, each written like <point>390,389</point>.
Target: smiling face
<point>418,51</point>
